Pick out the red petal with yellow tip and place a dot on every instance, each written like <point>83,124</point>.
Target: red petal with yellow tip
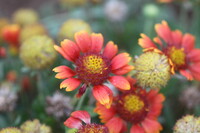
<point>115,125</point>
<point>105,114</point>
<point>82,115</point>
<point>110,50</point>
<point>151,126</point>
<point>145,42</point>
<point>120,60</point>
<point>62,52</point>
<point>71,49</point>
<point>103,95</point>
<point>137,129</point>
<point>63,72</point>
<point>97,42</point>
<point>187,74</point>
<point>123,70</point>
<point>188,42</point>
<point>70,84</point>
<point>164,32</point>
<point>73,123</point>
<point>120,82</point>
<point>83,41</point>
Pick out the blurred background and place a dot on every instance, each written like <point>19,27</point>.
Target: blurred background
<point>28,88</point>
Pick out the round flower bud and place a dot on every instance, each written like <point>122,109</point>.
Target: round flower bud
<point>70,27</point>
<point>31,30</point>
<point>25,17</point>
<point>10,130</point>
<point>37,52</point>
<point>151,10</point>
<point>34,127</point>
<point>187,124</point>
<point>152,70</point>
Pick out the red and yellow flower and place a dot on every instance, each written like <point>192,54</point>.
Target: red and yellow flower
<point>178,47</point>
<point>78,117</point>
<point>136,107</point>
<point>93,66</point>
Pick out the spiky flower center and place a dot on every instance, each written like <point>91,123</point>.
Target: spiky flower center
<point>93,128</point>
<point>177,56</point>
<point>153,70</point>
<point>93,68</point>
<point>132,107</point>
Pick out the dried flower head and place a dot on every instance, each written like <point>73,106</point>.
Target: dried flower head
<point>37,52</point>
<point>8,97</point>
<point>10,130</point>
<point>190,97</point>
<point>71,26</point>
<point>34,127</point>
<point>187,124</point>
<point>116,10</point>
<point>58,105</point>
<point>25,17</point>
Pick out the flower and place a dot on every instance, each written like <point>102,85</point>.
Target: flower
<point>34,127</point>
<point>8,97</point>
<point>153,69</point>
<point>25,16</point>
<point>71,26</point>
<point>76,119</point>
<point>178,47</point>
<point>93,67</point>
<point>187,124</point>
<point>136,107</point>
<point>190,97</point>
<point>10,130</point>
<point>32,30</point>
<point>37,52</point>
<point>116,10</point>
<point>2,52</point>
<point>58,105</point>
<point>3,22</point>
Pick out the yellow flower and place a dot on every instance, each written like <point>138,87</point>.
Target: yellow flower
<point>10,130</point>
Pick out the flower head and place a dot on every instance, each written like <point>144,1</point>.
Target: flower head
<point>37,52</point>
<point>76,119</point>
<point>10,130</point>
<point>93,66</point>
<point>153,69</point>
<point>187,124</point>
<point>136,107</point>
<point>178,47</point>
<point>71,26</point>
<point>2,52</point>
<point>34,127</point>
<point>25,16</point>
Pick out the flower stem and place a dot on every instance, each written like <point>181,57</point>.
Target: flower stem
<point>80,102</point>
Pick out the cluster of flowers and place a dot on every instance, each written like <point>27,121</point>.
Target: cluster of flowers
<point>138,102</point>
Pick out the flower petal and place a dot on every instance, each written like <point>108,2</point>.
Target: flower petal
<point>194,55</point>
<point>151,126</point>
<point>83,41</point>
<point>63,72</point>
<point>186,74</point>
<point>103,95</point>
<point>177,38</point>
<point>145,42</point>
<point>164,32</point>
<point>104,113</point>
<point>120,60</point>
<point>188,42</point>
<point>195,70</point>
<point>115,125</point>
<point>110,50</point>
<point>123,70</point>
<point>62,52</point>
<point>137,129</point>
<point>97,42</point>
<point>82,115</point>
<point>73,123</point>
<point>71,49</point>
<point>70,84</point>
<point>120,82</point>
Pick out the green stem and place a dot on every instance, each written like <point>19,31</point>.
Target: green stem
<point>80,102</point>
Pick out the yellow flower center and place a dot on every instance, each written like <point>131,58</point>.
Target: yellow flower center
<point>177,56</point>
<point>133,103</point>
<point>153,70</point>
